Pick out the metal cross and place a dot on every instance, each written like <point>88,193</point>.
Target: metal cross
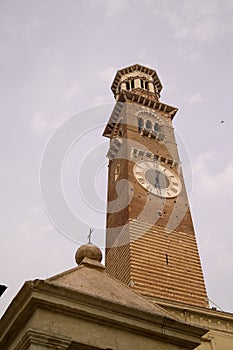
<point>89,236</point>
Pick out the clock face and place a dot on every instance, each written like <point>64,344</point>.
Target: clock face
<point>157,179</point>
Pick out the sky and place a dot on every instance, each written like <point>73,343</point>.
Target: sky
<point>58,59</point>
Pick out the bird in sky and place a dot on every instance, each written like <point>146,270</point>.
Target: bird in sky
<point>222,121</point>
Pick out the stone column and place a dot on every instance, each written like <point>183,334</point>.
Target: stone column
<point>137,83</point>
<point>151,87</point>
<point>123,86</point>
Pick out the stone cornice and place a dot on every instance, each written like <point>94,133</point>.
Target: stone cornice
<point>126,96</point>
<point>204,317</point>
<point>114,118</point>
<point>44,339</point>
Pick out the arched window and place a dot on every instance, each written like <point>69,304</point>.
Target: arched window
<point>148,125</point>
<point>130,84</point>
<point>140,124</point>
<point>144,84</point>
<point>156,127</point>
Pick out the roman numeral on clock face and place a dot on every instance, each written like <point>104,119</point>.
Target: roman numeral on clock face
<point>149,188</point>
<point>174,190</point>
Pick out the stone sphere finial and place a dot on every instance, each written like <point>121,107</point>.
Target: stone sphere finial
<point>89,251</point>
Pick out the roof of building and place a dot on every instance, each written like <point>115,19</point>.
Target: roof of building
<point>90,278</point>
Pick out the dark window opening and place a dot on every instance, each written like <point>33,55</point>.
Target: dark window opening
<point>132,84</point>
<point>146,85</point>
<point>148,124</point>
<point>142,83</point>
<point>156,127</point>
<point>140,124</point>
<point>127,85</point>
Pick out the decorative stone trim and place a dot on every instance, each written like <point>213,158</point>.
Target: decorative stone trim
<point>145,111</point>
<point>48,341</point>
<point>204,317</point>
<point>137,152</point>
<point>115,116</point>
<point>114,148</point>
<point>146,101</point>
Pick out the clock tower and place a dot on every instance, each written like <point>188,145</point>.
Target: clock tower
<point>150,238</point>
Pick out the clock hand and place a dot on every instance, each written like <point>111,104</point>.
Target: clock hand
<point>157,184</point>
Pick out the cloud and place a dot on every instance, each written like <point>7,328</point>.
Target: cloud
<point>108,73</point>
<point>114,7</point>
<point>110,8</point>
<point>27,229</point>
<point>7,25</point>
<point>42,123</point>
<point>221,249</point>
<point>211,200</point>
<point>204,21</point>
<point>98,100</point>
<point>72,91</point>
<point>195,98</point>
<point>32,249</point>
<point>218,268</point>
<point>142,53</point>
<point>210,183</point>
<point>191,54</point>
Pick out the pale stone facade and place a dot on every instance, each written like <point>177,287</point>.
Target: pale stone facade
<point>220,324</point>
